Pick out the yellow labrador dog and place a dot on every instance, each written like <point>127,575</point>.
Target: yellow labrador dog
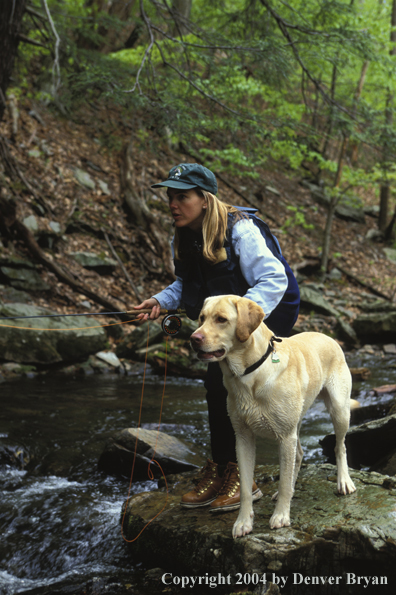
<point>271,383</point>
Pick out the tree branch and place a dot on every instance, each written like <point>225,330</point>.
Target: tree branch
<point>284,27</point>
<point>205,47</point>
<point>25,39</point>
<point>56,74</point>
<point>201,91</point>
<point>34,13</point>
<point>146,53</point>
<point>8,213</point>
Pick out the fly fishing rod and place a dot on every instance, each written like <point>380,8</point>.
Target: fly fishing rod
<point>171,324</point>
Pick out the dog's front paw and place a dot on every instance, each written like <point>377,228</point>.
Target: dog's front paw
<point>279,519</point>
<point>346,486</point>
<point>242,527</point>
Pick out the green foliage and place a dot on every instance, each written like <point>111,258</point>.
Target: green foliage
<point>250,82</point>
<point>231,160</point>
<point>296,219</point>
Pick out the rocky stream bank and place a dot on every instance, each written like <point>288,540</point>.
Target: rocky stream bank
<point>335,544</point>
<point>89,344</point>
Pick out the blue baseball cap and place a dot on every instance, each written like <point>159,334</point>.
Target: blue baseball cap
<point>190,175</point>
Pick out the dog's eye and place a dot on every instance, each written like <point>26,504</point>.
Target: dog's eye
<point>221,319</point>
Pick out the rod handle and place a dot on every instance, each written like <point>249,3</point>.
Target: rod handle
<point>163,311</point>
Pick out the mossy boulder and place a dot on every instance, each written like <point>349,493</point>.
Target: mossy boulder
<point>47,340</point>
<point>348,537</point>
<point>376,327</point>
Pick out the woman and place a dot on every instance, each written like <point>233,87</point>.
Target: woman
<point>219,249</point>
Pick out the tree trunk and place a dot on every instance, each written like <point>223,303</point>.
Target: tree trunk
<point>330,121</point>
<point>358,92</point>
<point>113,38</point>
<point>11,13</point>
<point>181,14</point>
<point>332,207</point>
<point>384,205</point>
<point>385,187</point>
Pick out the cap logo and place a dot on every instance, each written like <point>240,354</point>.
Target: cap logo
<point>178,172</point>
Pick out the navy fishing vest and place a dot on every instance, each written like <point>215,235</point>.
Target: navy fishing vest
<point>202,279</point>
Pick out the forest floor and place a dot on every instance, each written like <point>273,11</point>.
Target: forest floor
<point>49,148</point>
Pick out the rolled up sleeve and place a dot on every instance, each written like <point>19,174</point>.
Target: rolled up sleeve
<point>262,270</point>
<point>170,297</point>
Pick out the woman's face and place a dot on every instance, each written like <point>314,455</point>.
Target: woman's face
<point>187,208</point>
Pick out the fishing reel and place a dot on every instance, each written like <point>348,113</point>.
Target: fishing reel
<point>171,324</point>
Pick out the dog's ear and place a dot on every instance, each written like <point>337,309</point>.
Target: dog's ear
<point>250,315</point>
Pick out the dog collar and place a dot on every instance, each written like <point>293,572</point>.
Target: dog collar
<point>270,349</point>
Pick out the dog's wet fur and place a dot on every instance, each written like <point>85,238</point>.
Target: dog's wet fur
<point>272,400</point>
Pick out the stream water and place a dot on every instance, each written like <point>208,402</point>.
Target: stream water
<point>60,517</point>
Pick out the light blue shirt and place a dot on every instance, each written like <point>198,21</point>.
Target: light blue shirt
<point>262,270</point>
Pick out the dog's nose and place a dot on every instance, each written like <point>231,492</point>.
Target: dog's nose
<point>197,339</point>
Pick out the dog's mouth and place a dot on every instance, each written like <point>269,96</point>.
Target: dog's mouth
<point>204,355</point>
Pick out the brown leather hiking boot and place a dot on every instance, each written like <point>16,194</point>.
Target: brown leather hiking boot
<point>229,497</point>
<point>207,488</point>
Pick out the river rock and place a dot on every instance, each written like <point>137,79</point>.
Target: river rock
<point>348,208</point>
<point>378,305</point>
<point>84,178</point>
<point>21,274</point>
<point>377,327</point>
<point>345,332</point>
<point>366,413</point>
<point>109,358</point>
<point>14,456</point>
<point>31,223</point>
<point>178,358</point>
<point>99,263</point>
<point>104,187</point>
<point>312,299</point>
<point>371,444</point>
<point>137,339</point>
<point>375,235</point>
<point>171,453</point>
<point>75,342</point>
<point>11,295</point>
<point>350,212</point>
<point>179,361</point>
<point>390,254</point>
<point>372,211</point>
<point>330,536</point>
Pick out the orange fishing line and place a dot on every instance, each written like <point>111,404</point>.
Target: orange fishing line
<point>71,328</point>
<point>149,471</point>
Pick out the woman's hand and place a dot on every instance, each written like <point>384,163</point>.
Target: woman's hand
<point>146,305</point>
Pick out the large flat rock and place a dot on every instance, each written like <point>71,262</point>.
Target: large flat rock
<point>344,537</point>
<point>47,340</point>
<point>172,454</point>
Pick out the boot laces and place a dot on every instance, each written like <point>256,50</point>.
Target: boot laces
<point>230,481</point>
<point>205,478</point>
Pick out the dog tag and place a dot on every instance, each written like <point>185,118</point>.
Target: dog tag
<point>274,358</point>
